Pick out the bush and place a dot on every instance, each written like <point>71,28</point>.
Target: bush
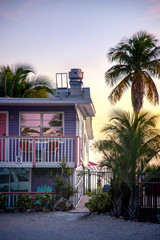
<point>99,203</point>
<point>3,199</point>
<point>91,193</point>
<point>45,200</point>
<point>24,201</point>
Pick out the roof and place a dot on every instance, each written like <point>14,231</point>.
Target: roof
<point>83,101</point>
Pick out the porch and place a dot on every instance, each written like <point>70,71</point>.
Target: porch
<point>80,181</point>
<point>34,151</point>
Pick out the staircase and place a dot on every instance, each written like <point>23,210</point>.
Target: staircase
<point>81,205</point>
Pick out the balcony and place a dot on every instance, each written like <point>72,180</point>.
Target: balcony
<point>39,151</point>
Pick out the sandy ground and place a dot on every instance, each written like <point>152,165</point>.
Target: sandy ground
<point>73,226</point>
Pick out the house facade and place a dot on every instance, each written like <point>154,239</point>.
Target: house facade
<point>37,134</point>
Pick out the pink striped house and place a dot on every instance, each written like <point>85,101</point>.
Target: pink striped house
<point>36,134</point>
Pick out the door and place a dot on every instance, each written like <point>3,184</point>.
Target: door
<point>3,132</point>
<point>2,124</point>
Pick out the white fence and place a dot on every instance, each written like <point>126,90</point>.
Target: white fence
<point>96,180</point>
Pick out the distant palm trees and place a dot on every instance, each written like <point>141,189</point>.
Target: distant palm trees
<point>131,142</point>
<point>137,62</point>
<point>16,82</point>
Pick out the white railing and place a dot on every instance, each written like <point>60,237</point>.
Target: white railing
<point>39,151</point>
<point>79,187</point>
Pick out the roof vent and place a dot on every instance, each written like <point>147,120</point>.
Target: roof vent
<point>76,76</point>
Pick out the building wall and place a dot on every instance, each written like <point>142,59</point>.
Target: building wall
<point>42,177</point>
<point>69,117</point>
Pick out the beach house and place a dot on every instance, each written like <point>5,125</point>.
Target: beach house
<point>37,134</point>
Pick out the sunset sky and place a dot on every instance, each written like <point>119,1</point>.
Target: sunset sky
<point>57,35</point>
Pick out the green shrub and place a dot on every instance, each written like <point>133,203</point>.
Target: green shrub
<point>3,199</point>
<point>99,203</point>
<point>45,200</point>
<point>24,201</point>
<point>91,193</point>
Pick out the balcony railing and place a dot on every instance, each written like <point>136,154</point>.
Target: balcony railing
<point>39,151</point>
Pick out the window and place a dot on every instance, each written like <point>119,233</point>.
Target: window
<point>4,180</point>
<point>19,180</point>
<point>41,124</point>
<point>14,180</point>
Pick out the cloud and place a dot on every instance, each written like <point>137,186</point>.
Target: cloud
<point>19,10</point>
<point>154,9</point>
<point>7,14</point>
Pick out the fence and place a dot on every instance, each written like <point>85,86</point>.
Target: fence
<point>12,197</point>
<point>79,187</point>
<point>96,180</point>
<point>149,201</point>
<point>91,181</point>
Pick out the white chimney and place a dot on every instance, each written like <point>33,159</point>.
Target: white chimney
<point>76,76</point>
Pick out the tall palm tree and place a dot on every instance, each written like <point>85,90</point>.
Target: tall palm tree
<point>131,142</point>
<point>137,63</point>
<point>16,82</point>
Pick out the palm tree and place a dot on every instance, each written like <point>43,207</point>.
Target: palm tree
<point>16,82</point>
<point>137,64</point>
<point>131,142</point>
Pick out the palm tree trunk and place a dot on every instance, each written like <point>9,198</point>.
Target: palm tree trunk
<point>133,205</point>
<point>137,92</point>
<point>116,202</point>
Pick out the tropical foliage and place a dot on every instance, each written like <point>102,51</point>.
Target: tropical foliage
<point>132,140</point>
<point>3,200</point>
<point>16,82</point>
<point>63,186</point>
<point>25,201</point>
<point>137,63</point>
<point>46,200</point>
<point>99,203</point>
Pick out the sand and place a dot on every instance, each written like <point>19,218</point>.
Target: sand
<point>73,226</point>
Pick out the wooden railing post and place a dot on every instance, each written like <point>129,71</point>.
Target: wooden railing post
<point>34,151</point>
<point>76,151</point>
<point>79,150</point>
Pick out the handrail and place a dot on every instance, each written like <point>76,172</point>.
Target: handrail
<point>79,192</point>
<point>46,136</point>
<point>39,151</point>
<point>8,193</point>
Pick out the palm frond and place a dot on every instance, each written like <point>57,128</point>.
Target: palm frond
<point>153,67</point>
<point>118,91</point>
<point>131,142</point>
<point>23,68</point>
<point>133,56</point>
<point>17,82</point>
<point>114,74</point>
<point>151,90</point>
